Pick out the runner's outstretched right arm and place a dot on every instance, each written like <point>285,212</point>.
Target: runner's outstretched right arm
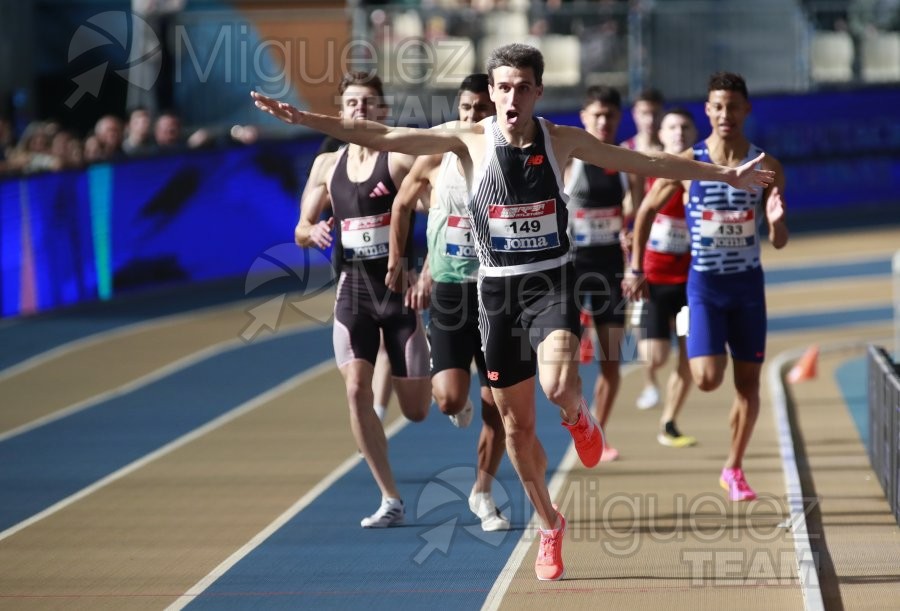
<point>445,138</point>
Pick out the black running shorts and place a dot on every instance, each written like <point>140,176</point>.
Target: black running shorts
<point>364,307</point>
<point>658,314</point>
<point>517,313</point>
<point>599,291</point>
<point>453,328</point>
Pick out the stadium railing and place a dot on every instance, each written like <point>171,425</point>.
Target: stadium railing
<point>884,424</point>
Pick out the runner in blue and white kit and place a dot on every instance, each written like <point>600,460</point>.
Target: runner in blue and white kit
<point>512,163</point>
<point>726,295</point>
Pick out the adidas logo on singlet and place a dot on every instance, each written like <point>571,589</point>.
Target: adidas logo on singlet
<point>379,190</point>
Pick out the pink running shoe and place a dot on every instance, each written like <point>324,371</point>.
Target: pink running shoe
<point>549,563</point>
<point>588,437</point>
<point>738,489</point>
<point>609,454</point>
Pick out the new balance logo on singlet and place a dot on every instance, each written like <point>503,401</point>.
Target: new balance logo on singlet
<point>379,191</point>
<point>534,160</point>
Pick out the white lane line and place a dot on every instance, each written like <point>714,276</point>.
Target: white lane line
<point>201,586</point>
<point>233,414</point>
<point>85,342</point>
<point>517,557</point>
<point>102,336</point>
<point>146,379</point>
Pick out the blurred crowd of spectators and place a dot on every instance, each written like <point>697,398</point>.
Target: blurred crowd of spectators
<point>858,17</point>
<point>599,25</point>
<point>48,146</point>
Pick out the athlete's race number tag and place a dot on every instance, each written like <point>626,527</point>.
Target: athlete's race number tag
<point>727,229</point>
<point>458,237</point>
<point>366,237</point>
<point>597,226</point>
<point>669,235</point>
<point>523,227</point>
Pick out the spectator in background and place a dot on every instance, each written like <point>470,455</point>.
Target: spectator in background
<point>867,16</point>
<point>167,132</point>
<point>151,80</point>
<point>138,140</point>
<point>93,151</point>
<point>244,134</point>
<point>32,154</point>
<point>605,48</point>
<point>109,132</point>
<point>6,141</point>
<point>236,134</point>
<point>66,150</point>
<point>6,134</point>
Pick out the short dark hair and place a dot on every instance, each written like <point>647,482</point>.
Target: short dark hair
<point>476,83</point>
<point>652,95</point>
<point>681,112</point>
<point>728,81</point>
<point>517,56</point>
<point>603,94</point>
<point>366,79</point>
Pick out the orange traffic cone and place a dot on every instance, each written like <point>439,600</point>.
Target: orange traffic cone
<point>806,367</point>
<point>587,343</point>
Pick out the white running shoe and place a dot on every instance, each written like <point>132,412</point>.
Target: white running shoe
<point>463,418</point>
<point>390,513</point>
<point>381,411</point>
<point>648,399</point>
<point>482,505</point>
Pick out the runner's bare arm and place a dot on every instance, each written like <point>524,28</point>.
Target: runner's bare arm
<point>419,295</point>
<point>445,138</point>
<point>574,142</point>
<point>775,206</point>
<point>633,285</point>
<point>416,181</point>
<point>314,200</point>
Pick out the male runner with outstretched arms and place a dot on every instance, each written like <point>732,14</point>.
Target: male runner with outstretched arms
<point>451,271</point>
<point>529,322</point>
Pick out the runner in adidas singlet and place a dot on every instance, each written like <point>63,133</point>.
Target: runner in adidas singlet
<point>511,165</point>
<point>665,263</point>
<point>364,306</point>
<point>359,184</point>
<point>382,384</point>
<point>449,276</point>
<point>596,221</point>
<point>726,297</point>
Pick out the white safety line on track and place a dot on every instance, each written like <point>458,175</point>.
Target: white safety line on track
<point>233,414</point>
<point>146,379</point>
<point>505,578</point>
<point>202,585</point>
